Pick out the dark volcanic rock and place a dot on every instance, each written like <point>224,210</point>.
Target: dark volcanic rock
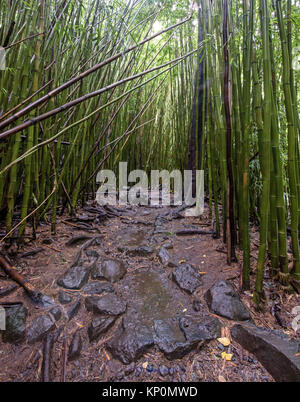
<point>75,346</point>
<point>130,341</point>
<point>276,352</point>
<point>74,308</point>
<point>171,340</point>
<point>187,277</point>
<point>142,251</point>
<point>56,312</point>
<point>163,255</point>
<point>92,253</point>
<point>15,323</point>
<point>74,277</point>
<point>163,370</point>
<point>64,298</point>
<point>99,326</point>
<point>96,288</point>
<point>197,305</point>
<point>206,328</point>
<point>223,300</point>
<point>42,300</point>
<point>110,269</point>
<point>6,291</point>
<point>109,304</point>
<point>41,326</point>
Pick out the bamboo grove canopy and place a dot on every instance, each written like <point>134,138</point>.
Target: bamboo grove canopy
<point>207,84</point>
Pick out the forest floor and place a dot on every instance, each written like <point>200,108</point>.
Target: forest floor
<point>135,237</point>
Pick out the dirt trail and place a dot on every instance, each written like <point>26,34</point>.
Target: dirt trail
<point>139,252</point>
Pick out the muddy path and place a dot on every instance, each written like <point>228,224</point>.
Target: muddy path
<point>129,303</point>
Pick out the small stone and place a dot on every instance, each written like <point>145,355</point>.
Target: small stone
<point>56,312</point>
<point>197,305</point>
<point>47,241</point>
<point>75,347</point>
<point>163,255</point>
<point>92,253</point>
<point>206,328</point>
<point>96,288</point>
<point>129,369</point>
<point>64,298</point>
<point>110,269</point>
<point>150,368</point>
<point>41,326</point>
<point>187,278</point>
<point>109,304</point>
<point>99,326</point>
<point>142,251</point>
<point>75,277</point>
<point>74,308</point>
<point>163,371</point>
<point>224,301</point>
<point>15,323</point>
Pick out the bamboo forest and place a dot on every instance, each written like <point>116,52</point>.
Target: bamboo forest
<point>149,193</point>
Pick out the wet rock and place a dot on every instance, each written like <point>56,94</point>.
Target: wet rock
<point>110,269</point>
<point>276,352</point>
<point>74,277</point>
<point>129,369</point>
<point>75,346</point>
<point>96,288</point>
<point>163,255</point>
<point>64,298</point>
<point>42,300</point>
<point>74,308</point>
<point>56,312</point>
<point>197,305</point>
<point>150,369</point>
<point>223,300</point>
<point>163,371</point>
<point>99,326</point>
<point>142,251</point>
<point>41,326</point>
<point>171,340</point>
<point>92,253</point>
<point>6,291</point>
<point>206,328</point>
<point>109,304</point>
<point>15,323</point>
<point>130,341</point>
<point>187,277</point>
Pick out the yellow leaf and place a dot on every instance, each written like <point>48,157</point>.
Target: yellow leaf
<point>181,261</point>
<point>224,341</point>
<point>226,356</point>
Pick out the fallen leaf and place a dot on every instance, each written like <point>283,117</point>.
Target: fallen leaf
<point>226,356</point>
<point>224,341</point>
<point>181,261</point>
<point>106,354</point>
<point>145,365</point>
<point>222,379</point>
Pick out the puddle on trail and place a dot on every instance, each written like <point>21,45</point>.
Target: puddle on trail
<point>154,297</point>
<point>133,238</point>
